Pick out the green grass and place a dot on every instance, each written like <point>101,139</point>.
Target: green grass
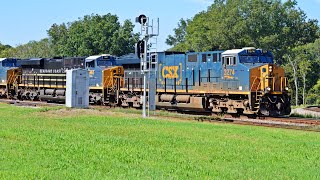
<point>91,144</point>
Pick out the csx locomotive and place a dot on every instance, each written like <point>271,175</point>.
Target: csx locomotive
<point>240,81</point>
<point>45,78</point>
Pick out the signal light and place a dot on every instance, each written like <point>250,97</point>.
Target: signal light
<point>140,48</point>
<point>142,19</point>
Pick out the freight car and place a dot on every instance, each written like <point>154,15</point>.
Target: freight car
<point>240,81</point>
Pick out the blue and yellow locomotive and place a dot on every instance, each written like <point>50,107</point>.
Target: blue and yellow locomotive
<point>240,81</point>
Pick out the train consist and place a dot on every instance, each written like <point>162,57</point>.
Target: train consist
<point>240,81</point>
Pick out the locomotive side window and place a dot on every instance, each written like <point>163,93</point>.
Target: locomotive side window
<point>215,58</point>
<point>192,58</point>
<point>229,61</point>
<point>204,58</point>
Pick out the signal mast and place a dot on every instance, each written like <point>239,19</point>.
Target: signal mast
<point>148,62</point>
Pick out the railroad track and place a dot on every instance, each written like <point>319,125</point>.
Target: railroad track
<point>288,122</point>
<point>29,103</point>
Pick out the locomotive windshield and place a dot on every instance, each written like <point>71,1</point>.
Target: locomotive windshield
<point>254,58</point>
<point>90,64</point>
<point>8,62</point>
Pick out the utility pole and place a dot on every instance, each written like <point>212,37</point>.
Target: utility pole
<point>142,48</point>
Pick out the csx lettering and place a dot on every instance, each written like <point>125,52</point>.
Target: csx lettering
<point>170,72</point>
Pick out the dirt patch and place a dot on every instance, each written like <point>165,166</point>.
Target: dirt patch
<point>315,109</point>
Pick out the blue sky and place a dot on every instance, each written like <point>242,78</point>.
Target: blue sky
<point>25,20</point>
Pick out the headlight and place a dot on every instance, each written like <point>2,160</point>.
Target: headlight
<point>286,88</point>
<point>268,88</point>
<point>270,68</point>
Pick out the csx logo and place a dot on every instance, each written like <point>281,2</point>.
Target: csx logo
<point>170,72</point>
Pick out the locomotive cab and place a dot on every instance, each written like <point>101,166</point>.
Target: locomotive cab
<point>95,65</point>
<point>265,81</point>
<point>7,67</point>
<point>105,79</point>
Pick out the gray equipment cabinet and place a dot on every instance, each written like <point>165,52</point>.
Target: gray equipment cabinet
<point>77,90</point>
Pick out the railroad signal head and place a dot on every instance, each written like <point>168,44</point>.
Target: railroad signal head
<point>140,48</point>
<point>142,19</point>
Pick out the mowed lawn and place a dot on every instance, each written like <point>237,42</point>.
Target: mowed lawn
<point>41,143</point>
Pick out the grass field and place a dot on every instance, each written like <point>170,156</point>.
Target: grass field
<point>55,143</point>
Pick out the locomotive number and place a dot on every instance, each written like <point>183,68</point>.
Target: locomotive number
<point>170,72</point>
<point>229,73</point>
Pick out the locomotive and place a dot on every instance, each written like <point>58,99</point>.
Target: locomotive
<point>44,79</point>
<point>239,81</point>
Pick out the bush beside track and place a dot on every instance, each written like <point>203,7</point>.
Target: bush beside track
<point>60,143</point>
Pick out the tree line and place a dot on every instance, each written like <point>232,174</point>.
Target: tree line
<point>92,34</point>
<point>281,27</point>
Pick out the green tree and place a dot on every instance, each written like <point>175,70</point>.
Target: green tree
<point>179,37</point>
<point>268,24</point>
<point>42,48</point>
<point>5,50</point>
<point>123,41</point>
<point>58,36</point>
<point>304,67</point>
<point>303,63</point>
<point>314,94</point>
<point>93,34</point>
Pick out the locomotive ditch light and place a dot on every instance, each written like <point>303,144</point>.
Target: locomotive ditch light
<point>270,68</point>
<point>268,89</point>
<point>286,88</point>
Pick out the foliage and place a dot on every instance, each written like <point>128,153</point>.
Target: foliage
<point>307,63</point>
<point>32,49</point>
<point>5,50</point>
<point>93,34</point>
<point>265,24</point>
<point>84,144</point>
<point>90,35</point>
<point>179,38</point>
<point>314,94</point>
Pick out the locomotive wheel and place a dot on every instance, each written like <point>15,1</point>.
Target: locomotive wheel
<point>33,96</point>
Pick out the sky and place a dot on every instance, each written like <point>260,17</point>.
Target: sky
<point>25,20</point>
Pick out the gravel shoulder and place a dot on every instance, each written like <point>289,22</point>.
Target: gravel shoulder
<point>304,111</point>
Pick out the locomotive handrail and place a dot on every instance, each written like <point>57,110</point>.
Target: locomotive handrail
<point>254,83</point>
<point>283,82</point>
